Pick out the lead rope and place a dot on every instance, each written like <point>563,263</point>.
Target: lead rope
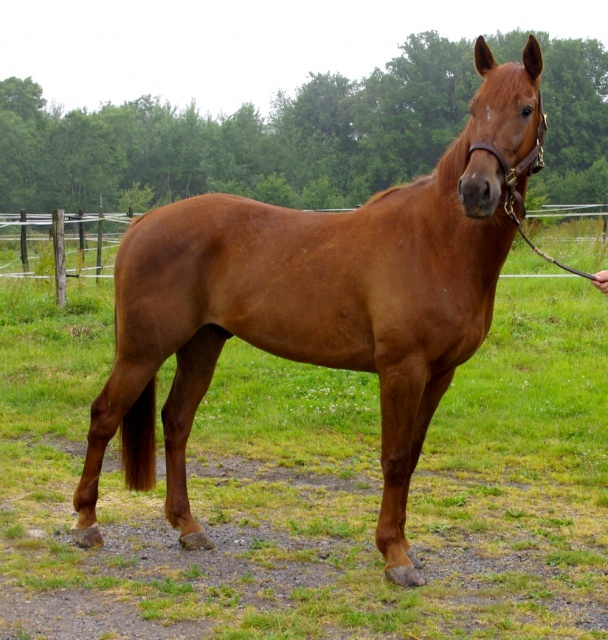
<point>511,213</point>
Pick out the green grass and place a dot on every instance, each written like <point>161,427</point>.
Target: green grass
<point>515,463</point>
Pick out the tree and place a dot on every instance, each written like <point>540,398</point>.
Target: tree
<point>137,198</point>
<point>575,86</point>
<point>144,130</point>
<point>83,161</point>
<point>314,132</point>
<point>274,189</point>
<point>589,186</point>
<point>22,123</point>
<point>321,194</point>
<point>188,142</point>
<point>23,98</point>
<point>325,105</point>
<point>244,145</point>
<point>19,146</point>
<point>408,115</point>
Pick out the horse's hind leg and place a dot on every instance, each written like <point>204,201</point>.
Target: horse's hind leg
<point>196,362</point>
<point>123,388</point>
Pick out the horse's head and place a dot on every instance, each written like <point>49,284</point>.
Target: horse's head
<point>506,129</point>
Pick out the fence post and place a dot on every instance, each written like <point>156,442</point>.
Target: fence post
<point>24,260</point>
<point>80,215</point>
<point>59,250</point>
<point>99,241</point>
<point>605,218</point>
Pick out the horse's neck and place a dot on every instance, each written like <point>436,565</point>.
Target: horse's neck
<point>483,245</point>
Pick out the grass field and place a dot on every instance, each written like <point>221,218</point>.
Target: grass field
<point>509,507</point>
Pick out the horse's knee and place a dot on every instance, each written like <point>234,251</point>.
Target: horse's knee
<point>395,467</point>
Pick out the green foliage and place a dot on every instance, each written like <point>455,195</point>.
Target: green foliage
<point>23,98</point>
<point>536,196</point>
<point>19,148</point>
<point>408,115</point>
<point>320,194</point>
<point>589,186</point>
<point>332,145</point>
<point>274,189</point>
<point>137,198</point>
<point>575,89</point>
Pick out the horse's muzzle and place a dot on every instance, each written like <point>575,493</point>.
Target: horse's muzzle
<point>479,195</point>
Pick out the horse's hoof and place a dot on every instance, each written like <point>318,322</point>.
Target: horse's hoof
<point>414,558</point>
<point>89,538</point>
<point>404,576</point>
<point>197,540</point>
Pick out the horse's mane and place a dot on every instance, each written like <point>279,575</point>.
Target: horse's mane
<point>419,182</point>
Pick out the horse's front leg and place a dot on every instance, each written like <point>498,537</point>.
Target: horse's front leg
<point>433,392</point>
<point>401,394</point>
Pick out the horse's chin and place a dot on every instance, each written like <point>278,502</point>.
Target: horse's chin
<point>478,214</point>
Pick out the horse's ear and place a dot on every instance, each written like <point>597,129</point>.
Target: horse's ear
<point>484,60</point>
<point>533,59</point>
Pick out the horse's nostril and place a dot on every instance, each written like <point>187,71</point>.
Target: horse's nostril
<point>487,192</point>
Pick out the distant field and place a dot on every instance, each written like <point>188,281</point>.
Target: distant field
<point>509,506</point>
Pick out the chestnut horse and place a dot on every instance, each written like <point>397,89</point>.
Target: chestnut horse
<point>403,287</point>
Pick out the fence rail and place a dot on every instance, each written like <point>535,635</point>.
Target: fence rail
<point>105,231</point>
<point>55,224</point>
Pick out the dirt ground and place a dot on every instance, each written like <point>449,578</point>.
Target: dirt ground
<point>68,614</point>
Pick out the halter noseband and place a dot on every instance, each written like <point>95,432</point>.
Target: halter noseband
<point>532,163</point>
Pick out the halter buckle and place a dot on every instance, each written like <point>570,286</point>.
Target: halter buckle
<point>511,178</point>
<point>539,162</point>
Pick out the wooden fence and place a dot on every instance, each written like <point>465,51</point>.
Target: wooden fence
<point>87,228</point>
<point>99,228</point>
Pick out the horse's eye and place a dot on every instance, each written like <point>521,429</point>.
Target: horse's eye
<point>526,112</point>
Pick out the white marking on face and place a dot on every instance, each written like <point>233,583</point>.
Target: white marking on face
<point>488,113</point>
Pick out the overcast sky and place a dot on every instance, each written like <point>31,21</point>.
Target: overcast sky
<point>223,53</point>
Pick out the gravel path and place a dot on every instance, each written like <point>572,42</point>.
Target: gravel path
<point>153,553</point>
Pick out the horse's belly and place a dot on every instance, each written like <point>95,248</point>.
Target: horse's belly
<point>303,335</point>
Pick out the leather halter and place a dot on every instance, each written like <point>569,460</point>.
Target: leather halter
<point>532,163</point>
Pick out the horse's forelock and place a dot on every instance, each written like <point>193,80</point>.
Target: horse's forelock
<point>502,83</point>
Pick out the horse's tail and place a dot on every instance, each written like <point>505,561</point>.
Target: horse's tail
<point>138,441</point>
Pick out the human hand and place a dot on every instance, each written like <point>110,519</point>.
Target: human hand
<point>601,281</point>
